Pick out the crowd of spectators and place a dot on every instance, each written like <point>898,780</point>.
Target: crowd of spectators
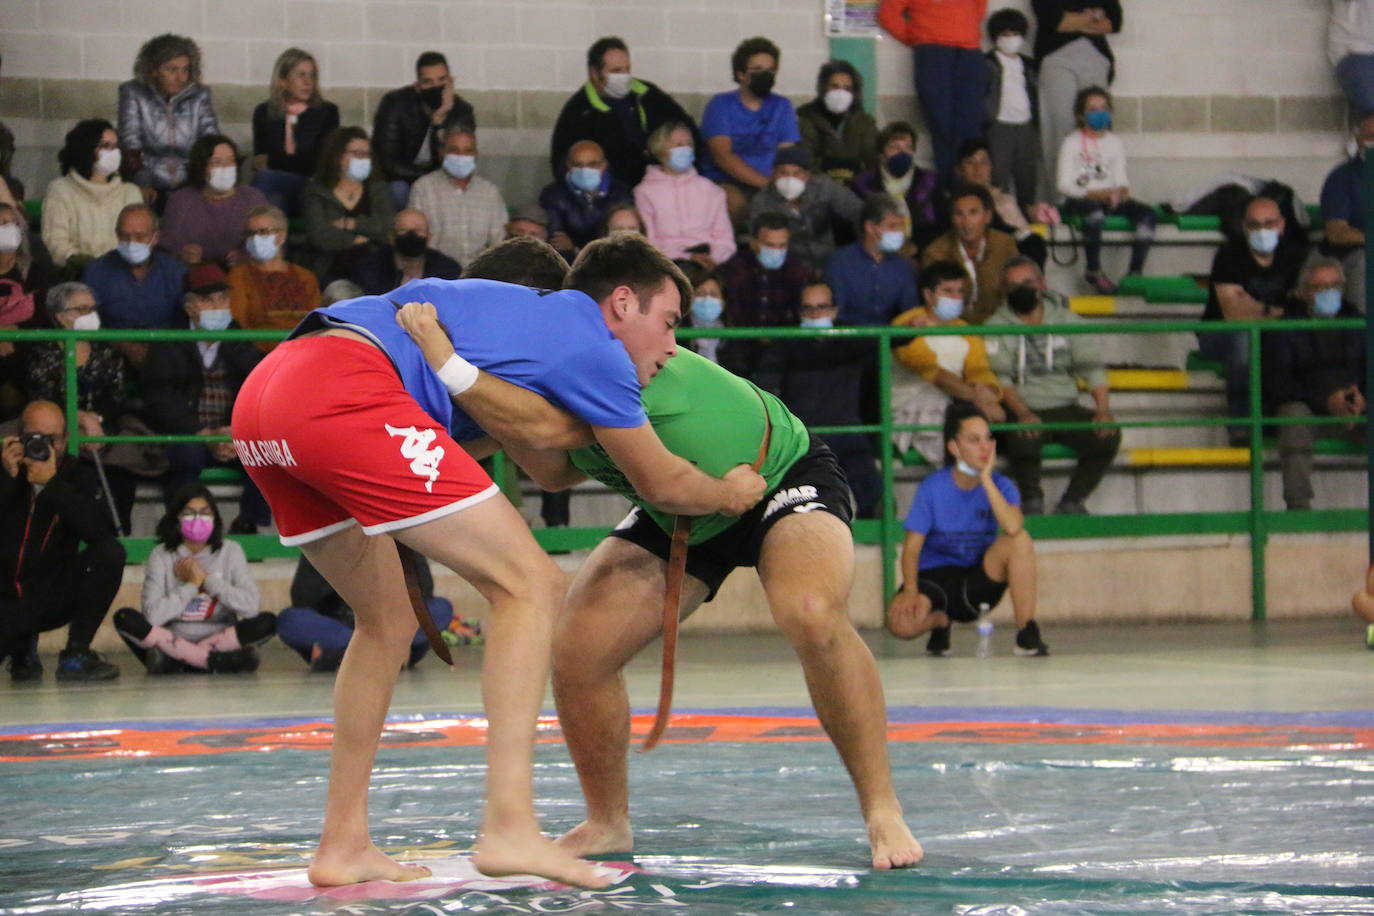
<point>815,216</point>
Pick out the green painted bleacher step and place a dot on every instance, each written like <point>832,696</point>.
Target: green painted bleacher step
<point>1120,223</point>
<point>1163,289</point>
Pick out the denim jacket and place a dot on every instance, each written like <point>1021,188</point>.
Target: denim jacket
<point>164,129</point>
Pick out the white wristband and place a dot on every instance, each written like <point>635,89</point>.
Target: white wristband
<point>458,375</point>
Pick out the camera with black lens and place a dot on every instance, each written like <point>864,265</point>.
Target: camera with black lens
<point>37,446</point>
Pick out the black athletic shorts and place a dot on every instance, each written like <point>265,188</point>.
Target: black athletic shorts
<point>816,483</point>
<point>965,593</point>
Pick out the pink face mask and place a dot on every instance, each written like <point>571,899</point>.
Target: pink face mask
<point>197,528</point>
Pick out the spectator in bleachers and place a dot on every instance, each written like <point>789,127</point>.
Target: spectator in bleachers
<point>1350,45</point>
<point>1343,212</point>
<point>347,209</point>
<point>1039,375</point>
<point>914,189</point>
<point>982,250</point>
<point>201,608</point>
<point>265,291</point>
<point>289,129</point>
<point>745,128</point>
<point>407,257</point>
<point>529,221</point>
<point>966,542</point>
<point>81,207</point>
<point>189,389</point>
<point>1251,279</point>
<point>838,134</point>
<point>763,284</point>
<point>1072,51</point>
<point>136,285</point>
<point>163,110</point>
<point>819,380</point>
<point>617,111</point>
<point>951,75</point>
<point>319,623</point>
<point>1012,109</point>
<point>869,278</point>
<point>1315,373</point>
<point>936,370</point>
<point>819,210</point>
<point>25,276</point>
<point>61,562</point>
<point>203,222</point>
<point>576,203</point>
<point>1092,178</point>
<point>707,309</point>
<point>684,212</point>
<point>975,168</point>
<point>11,188</point>
<point>339,290</point>
<point>466,212</point>
<point>413,123</point>
<point>621,218</point>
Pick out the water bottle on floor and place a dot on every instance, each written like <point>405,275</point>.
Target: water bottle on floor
<point>984,635</point>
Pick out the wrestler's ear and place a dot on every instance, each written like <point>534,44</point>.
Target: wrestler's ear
<point>623,301</point>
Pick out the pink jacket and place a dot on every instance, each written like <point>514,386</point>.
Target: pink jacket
<point>684,209</point>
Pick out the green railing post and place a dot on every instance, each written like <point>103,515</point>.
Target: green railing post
<point>1259,536</point>
<point>887,522</point>
<point>70,401</point>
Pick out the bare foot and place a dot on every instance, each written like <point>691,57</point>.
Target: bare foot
<point>596,838</point>
<point>892,843</point>
<point>371,864</point>
<point>534,854</point>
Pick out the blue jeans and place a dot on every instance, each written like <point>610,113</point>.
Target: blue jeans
<point>951,84</point>
<point>1095,213</point>
<point>400,193</point>
<point>1234,351</point>
<point>303,628</point>
<point>1355,73</point>
<point>282,189</point>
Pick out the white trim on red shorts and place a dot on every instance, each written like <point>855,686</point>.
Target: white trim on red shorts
<point>432,514</point>
<point>296,540</point>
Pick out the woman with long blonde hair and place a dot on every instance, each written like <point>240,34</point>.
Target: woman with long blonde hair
<point>289,129</point>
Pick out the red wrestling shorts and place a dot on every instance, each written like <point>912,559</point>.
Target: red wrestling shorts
<point>331,437</point>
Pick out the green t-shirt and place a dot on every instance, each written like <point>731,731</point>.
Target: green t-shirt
<point>714,419</point>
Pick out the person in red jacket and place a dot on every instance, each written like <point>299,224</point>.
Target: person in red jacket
<point>951,75</point>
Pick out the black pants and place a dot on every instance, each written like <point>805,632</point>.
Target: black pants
<point>79,593</point>
<point>1095,454</point>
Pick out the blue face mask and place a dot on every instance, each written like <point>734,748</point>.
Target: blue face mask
<point>135,252</point>
<point>707,309</point>
<point>680,158</point>
<point>1327,303</point>
<point>585,179</point>
<point>947,309</point>
<point>772,258</point>
<point>215,319</point>
<point>460,167</point>
<point>359,169</point>
<point>892,241</point>
<point>818,322</point>
<point>1264,241</point>
<point>1098,120</point>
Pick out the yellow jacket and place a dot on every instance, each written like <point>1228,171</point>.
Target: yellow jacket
<point>965,357</point>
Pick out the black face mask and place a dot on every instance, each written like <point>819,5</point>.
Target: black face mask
<point>433,97</point>
<point>411,244</point>
<point>1023,299</point>
<point>898,164</point>
<point>761,83</point>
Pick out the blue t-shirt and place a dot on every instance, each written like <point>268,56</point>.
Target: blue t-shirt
<point>1343,194</point>
<point>754,135</point>
<point>556,344</point>
<point>958,524</point>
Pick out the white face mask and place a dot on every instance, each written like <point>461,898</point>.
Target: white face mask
<point>107,161</point>
<point>87,322</point>
<point>618,85</point>
<point>10,237</point>
<point>223,178</point>
<point>965,468</point>
<point>1011,45</point>
<point>790,187</point>
<point>262,247</point>
<point>837,101</point>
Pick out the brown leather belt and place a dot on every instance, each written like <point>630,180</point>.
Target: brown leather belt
<point>409,561</point>
<point>672,601</point>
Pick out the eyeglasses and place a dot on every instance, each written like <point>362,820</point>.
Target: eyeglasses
<point>249,233</point>
<point>81,309</point>
<point>208,516</point>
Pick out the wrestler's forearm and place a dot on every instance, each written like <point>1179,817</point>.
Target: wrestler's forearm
<point>517,417</point>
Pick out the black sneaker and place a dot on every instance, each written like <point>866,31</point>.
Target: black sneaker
<point>84,665</point>
<point>938,644</point>
<point>1028,641</point>
<point>1033,505</point>
<point>25,665</point>
<point>158,662</point>
<point>242,525</point>
<point>235,661</point>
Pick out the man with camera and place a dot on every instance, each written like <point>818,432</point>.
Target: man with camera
<point>50,506</point>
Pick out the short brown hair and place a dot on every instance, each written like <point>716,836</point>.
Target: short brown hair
<point>521,260</point>
<point>739,60</point>
<point>625,259</point>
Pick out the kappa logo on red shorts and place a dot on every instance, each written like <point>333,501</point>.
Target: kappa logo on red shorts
<point>424,461</point>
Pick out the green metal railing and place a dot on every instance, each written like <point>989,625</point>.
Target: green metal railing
<point>885,531</point>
